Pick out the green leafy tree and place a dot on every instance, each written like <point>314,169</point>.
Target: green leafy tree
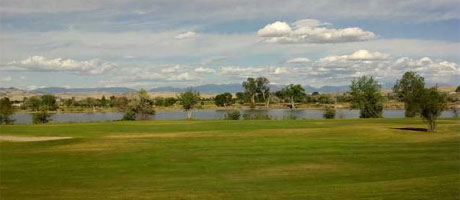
<point>409,90</point>
<point>458,89</point>
<point>223,100</point>
<point>367,97</point>
<point>6,110</point>
<point>33,103</point>
<point>292,93</point>
<point>242,97</point>
<point>250,87</point>
<point>329,112</point>
<point>103,101</point>
<point>49,101</point>
<point>90,102</point>
<point>42,116</point>
<point>142,105</point>
<point>432,103</point>
<point>188,100</point>
<point>262,85</point>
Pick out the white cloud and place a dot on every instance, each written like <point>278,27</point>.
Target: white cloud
<point>298,60</point>
<point>276,29</point>
<point>40,63</point>
<point>171,69</point>
<point>364,56</point>
<point>280,70</point>
<point>311,31</point>
<point>182,77</point>
<point>5,79</point>
<point>204,70</point>
<point>186,35</point>
<point>384,67</point>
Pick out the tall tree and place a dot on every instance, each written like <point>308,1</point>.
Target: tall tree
<point>409,90</point>
<point>432,103</point>
<point>367,97</point>
<point>141,105</point>
<point>188,100</point>
<point>33,103</point>
<point>49,101</point>
<point>292,93</point>
<point>250,87</point>
<point>224,99</point>
<point>263,89</point>
<point>6,110</point>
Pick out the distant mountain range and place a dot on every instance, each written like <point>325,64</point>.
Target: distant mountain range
<point>208,88</point>
<point>236,87</point>
<point>54,90</point>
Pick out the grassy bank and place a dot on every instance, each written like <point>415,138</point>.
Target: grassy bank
<point>303,159</point>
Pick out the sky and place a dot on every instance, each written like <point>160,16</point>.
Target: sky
<point>183,43</point>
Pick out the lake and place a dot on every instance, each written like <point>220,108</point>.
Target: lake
<point>26,118</point>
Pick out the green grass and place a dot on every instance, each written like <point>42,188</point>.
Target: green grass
<point>304,159</point>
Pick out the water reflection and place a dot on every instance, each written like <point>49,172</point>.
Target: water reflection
<point>25,118</point>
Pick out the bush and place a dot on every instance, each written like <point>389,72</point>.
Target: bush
<point>130,115</point>
<point>329,113</point>
<point>233,115</point>
<point>41,117</point>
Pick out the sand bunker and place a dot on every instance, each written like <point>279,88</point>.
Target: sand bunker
<point>29,139</point>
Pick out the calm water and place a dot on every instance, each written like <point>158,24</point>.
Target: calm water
<point>25,118</point>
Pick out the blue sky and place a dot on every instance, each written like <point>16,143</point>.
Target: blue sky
<point>147,44</point>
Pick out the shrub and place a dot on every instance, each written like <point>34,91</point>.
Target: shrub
<point>41,117</point>
<point>130,115</point>
<point>233,115</point>
<point>329,113</point>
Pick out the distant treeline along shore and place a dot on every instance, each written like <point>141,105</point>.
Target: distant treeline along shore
<point>365,94</point>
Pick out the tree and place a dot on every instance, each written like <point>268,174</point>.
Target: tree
<point>367,97</point>
<point>458,89</point>
<point>49,101</point>
<point>329,112</point>
<point>42,116</point>
<point>250,87</point>
<point>292,93</point>
<point>224,99</point>
<point>188,100</point>
<point>263,89</point>
<point>6,110</point>
<point>432,103</point>
<point>242,97</point>
<point>90,102</point>
<point>33,103</point>
<point>103,101</point>
<point>142,105</point>
<point>409,90</point>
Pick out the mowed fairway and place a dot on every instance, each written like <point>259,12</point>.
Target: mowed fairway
<point>303,159</point>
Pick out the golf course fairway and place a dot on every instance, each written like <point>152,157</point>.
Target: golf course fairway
<point>221,159</point>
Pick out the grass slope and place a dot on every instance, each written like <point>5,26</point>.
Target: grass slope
<point>304,159</point>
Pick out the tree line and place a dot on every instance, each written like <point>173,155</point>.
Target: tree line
<point>365,94</point>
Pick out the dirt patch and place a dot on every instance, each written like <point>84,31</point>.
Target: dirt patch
<point>29,139</point>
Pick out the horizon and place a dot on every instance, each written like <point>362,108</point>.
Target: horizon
<point>138,44</point>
